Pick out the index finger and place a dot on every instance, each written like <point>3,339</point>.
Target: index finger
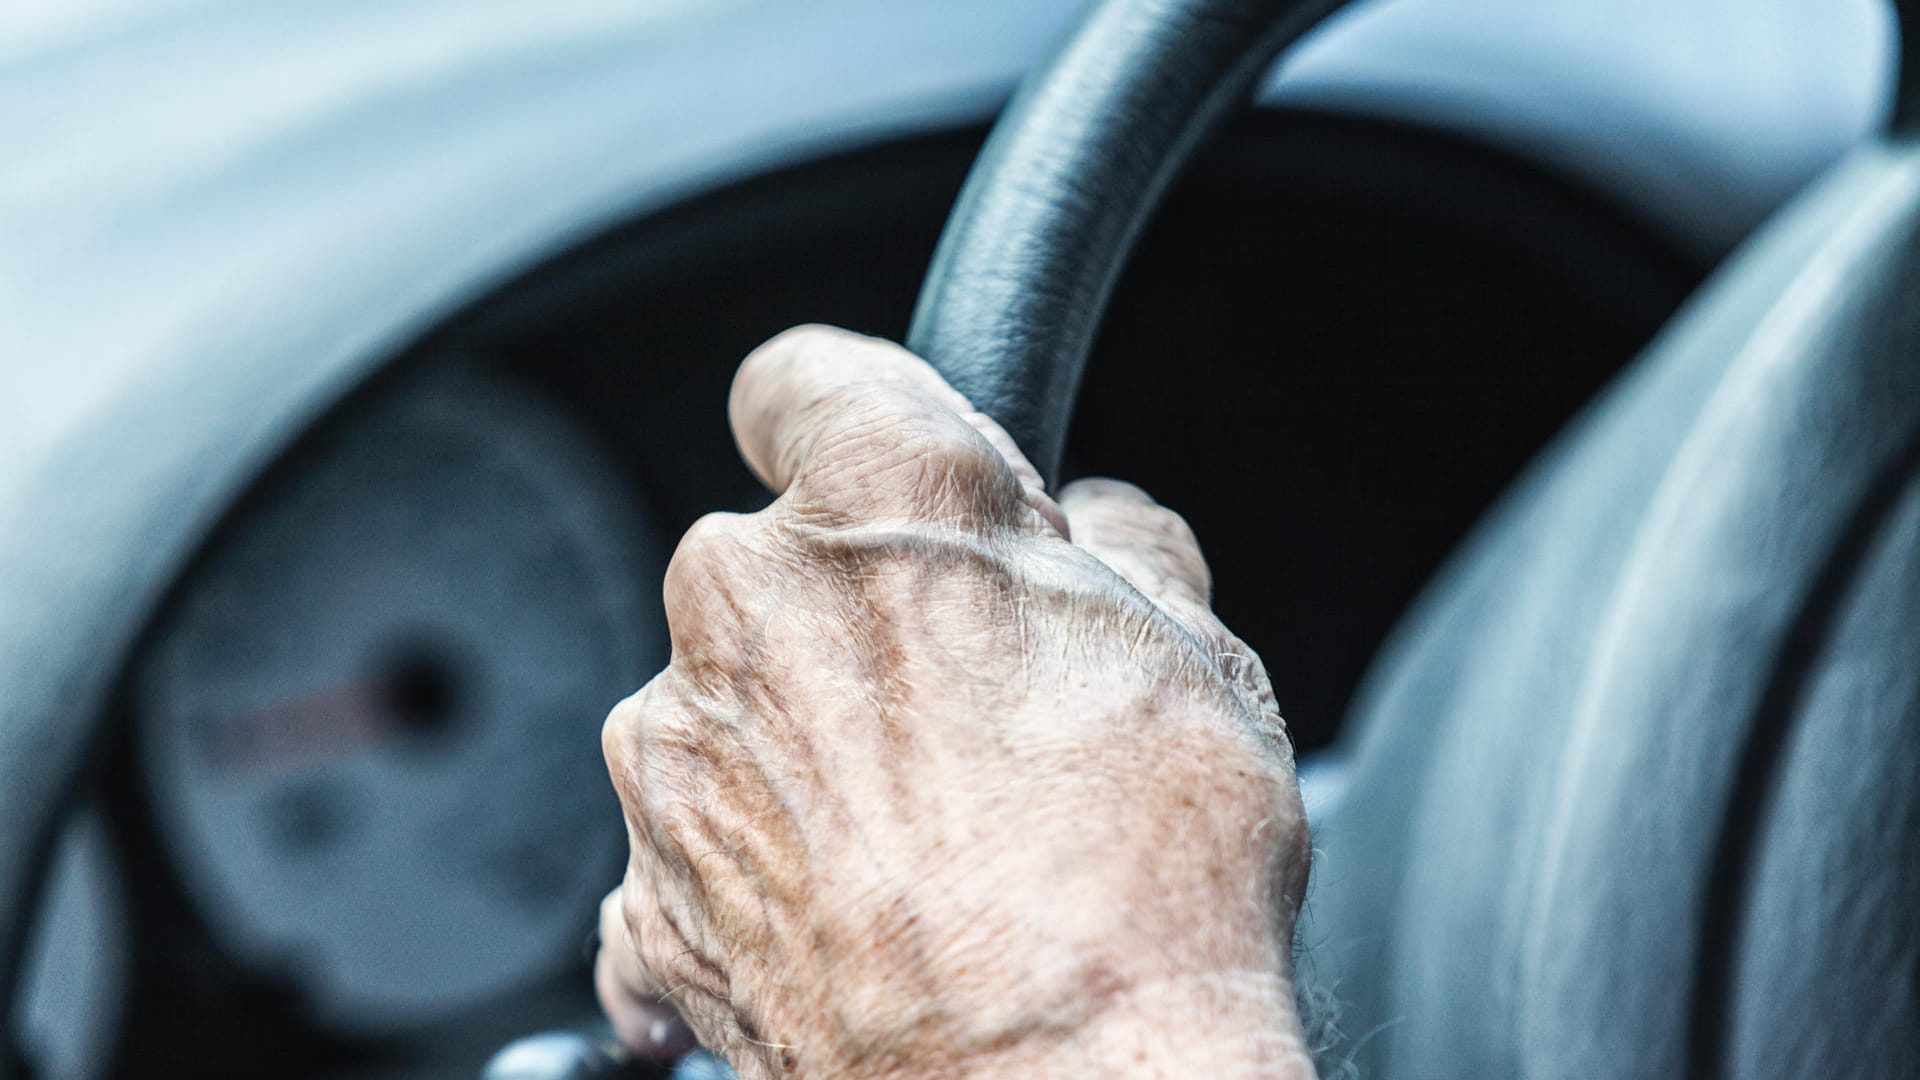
<point>873,425</point>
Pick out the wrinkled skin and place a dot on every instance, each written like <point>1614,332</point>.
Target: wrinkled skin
<point>929,789</point>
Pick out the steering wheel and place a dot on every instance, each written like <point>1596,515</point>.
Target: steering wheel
<point>1640,883</point>
<point>1788,384</point>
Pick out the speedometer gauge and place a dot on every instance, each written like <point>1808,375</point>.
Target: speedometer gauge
<point>370,719</point>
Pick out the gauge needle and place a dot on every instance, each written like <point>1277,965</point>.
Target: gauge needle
<point>332,721</point>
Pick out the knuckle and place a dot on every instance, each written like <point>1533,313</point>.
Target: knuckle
<point>707,556</point>
<point>626,716</point>
<point>711,540</point>
<point>625,729</point>
<point>613,923</point>
<point>620,738</point>
<point>896,453</point>
<point>961,452</point>
<point>657,747</point>
<point>616,736</point>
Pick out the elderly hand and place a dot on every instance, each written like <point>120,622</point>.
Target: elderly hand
<point>930,789</point>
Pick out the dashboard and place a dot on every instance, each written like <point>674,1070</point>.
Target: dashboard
<point>395,376</point>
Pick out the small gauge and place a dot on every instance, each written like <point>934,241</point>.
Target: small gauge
<point>370,721</point>
<point>75,978</point>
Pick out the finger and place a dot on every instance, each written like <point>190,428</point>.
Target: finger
<point>869,418</point>
<point>1146,543</point>
<point>628,993</point>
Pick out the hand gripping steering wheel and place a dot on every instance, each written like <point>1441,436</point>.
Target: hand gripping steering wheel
<point>1036,241</point>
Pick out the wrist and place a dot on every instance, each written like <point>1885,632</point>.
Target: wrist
<point>1229,1024</point>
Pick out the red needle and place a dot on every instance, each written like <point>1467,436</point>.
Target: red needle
<point>322,724</point>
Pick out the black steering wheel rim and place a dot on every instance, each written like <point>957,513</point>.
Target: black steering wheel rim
<point>1077,165</point>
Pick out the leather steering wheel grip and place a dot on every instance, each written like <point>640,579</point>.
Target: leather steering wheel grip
<point>1073,170</point>
<point>1076,166</point>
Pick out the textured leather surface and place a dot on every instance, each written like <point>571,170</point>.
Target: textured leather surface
<point>1835,844</point>
<point>1643,756</point>
<point>1072,171</point>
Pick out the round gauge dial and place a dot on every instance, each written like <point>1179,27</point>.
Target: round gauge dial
<point>370,720</point>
